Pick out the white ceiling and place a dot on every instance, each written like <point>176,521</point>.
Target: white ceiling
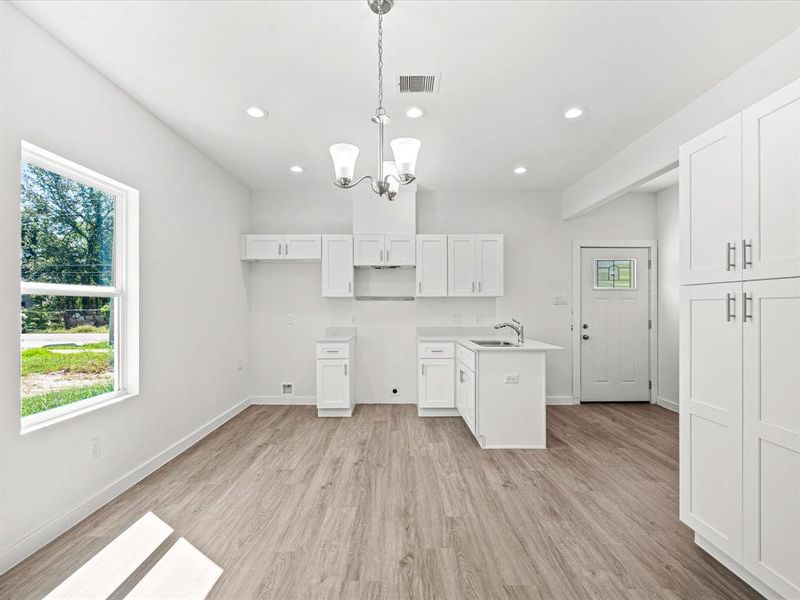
<point>509,69</point>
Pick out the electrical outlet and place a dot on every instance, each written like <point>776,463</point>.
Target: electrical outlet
<point>511,378</point>
<point>287,389</point>
<point>239,364</point>
<point>94,448</point>
<point>290,319</point>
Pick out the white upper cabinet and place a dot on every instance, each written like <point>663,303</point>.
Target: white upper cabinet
<point>368,249</point>
<point>262,247</point>
<point>711,205</point>
<point>489,265</point>
<point>337,266</point>
<point>771,383</point>
<point>475,265</point>
<point>461,265</point>
<point>771,186</point>
<point>431,265</point>
<point>400,250</point>
<point>302,247</point>
<point>282,247</point>
<point>383,250</point>
<point>711,413</point>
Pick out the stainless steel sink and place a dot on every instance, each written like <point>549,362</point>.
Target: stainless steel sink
<point>495,343</point>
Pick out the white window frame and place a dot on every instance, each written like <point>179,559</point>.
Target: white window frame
<point>124,289</point>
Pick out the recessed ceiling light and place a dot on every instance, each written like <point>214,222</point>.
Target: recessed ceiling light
<point>415,112</point>
<point>520,170</point>
<point>256,112</point>
<point>296,169</point>
<point>573,113</point>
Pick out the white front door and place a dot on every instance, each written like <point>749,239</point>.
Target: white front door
<point>615,336</point>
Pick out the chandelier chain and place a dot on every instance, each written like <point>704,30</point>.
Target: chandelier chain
<point>380,110</point>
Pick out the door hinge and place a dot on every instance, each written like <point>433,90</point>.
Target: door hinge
<point>649,385</point>
<point>649,323</point>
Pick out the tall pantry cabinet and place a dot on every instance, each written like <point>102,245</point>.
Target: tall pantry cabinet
<point>740,341</point>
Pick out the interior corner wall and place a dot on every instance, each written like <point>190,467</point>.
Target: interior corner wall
<point>193,289</point>
<point>538,265</point>
<point>668,293</point>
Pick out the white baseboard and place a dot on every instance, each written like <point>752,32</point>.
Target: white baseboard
<point>561,401</point>
<point>737,569</point>
<point>668,404</point>
<point>23,548</point>
<point>284,400</point>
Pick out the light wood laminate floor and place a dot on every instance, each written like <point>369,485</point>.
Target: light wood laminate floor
<point>389,505</point>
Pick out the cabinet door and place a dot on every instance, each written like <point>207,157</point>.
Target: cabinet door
<point>333,383</point>
<point>337,266</point>
<point>263,247</point>
<point>771,334</point>
<point>711,413</point>
<point>461,265</point>
<point>470,406</point>
<point>489,265</point>
<point>368,249</point>
<point>711,205</point>
<point>771,186</point>
<point>436,383</point>
<point>302,247</point>
<point>431,265</point>
<point>400,250</point>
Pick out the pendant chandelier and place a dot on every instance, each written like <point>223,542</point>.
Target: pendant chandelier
<point>391,174</point>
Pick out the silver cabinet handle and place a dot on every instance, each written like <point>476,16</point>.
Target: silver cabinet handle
<point>747,262</point>
<point>479,287</point>
<point>387,256</point>
<point>345,369</point>
<point>748,315</point>
<point>381,259</point>
<point>473,287</point>
<point>460,376</point>
<point>349,287</point>
<point>279,249</point>
<point>423,369</point>
<point>730,247</point>
<point>439,350</point>
<point>419,286</point>
<point>730,299</point>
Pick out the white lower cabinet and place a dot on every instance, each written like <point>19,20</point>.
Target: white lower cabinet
<point>435,376</point>
<point>465,394</point>
<point>771,378</point>
<point>740,425</point>
<point>335,379</point>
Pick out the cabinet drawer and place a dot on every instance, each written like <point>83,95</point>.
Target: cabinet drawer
<point>466,356</point>
<point>333,351</point>
<point>436,350</point>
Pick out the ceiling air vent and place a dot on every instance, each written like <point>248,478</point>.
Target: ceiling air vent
<point>423,83</point>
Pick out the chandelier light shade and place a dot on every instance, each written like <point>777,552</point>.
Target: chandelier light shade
<point>405,156</point>
<point>392,175</point>
<point>344,161</point>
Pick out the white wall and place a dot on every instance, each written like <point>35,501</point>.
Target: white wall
<point>538,259</point>
<point>668,294</point>
<point>193,295</point>
<point>658,149</point>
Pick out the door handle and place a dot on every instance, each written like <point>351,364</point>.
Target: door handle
<point>730,299</point>
<point>730,247</point>
<point>745,261</point>
<point>748,315</point>
<point>584,336</point>
<point>586,326</point>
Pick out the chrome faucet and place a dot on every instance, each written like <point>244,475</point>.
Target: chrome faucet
<point>516,326</point>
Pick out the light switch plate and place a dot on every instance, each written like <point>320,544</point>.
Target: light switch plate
<point>511,378</point>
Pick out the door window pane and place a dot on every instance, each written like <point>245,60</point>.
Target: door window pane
<point>67,350</point>
<point>67,230</point>
<point>615,274</point>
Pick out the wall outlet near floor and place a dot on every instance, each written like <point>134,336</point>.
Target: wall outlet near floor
<point>511,378</point>
<point>94,448</point>
<point>287,389</point>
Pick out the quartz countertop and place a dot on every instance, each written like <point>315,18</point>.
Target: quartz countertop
<point>335,335</point>
<point>465,339</point>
